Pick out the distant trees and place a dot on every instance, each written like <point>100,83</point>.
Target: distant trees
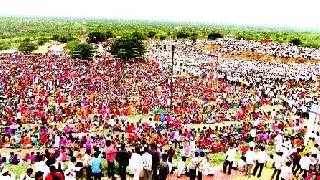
<point>27,46</point>
<point>162,37</point>
<point>137,35</point>
<point>42,40</point>
<point>128,47</point>
<point>193,37</point>
<point>83,51</point>
<point>62,38</point>
<point>5,46</point>
<point>183,34</point>
<point>214,36</point>
<point>95,37</point>
<point>151,34</point>
<point>296,41</point>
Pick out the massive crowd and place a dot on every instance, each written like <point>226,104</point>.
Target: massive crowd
<point>84,111</point>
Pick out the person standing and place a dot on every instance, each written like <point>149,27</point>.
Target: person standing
<point>296,156</point>
<point>111,154</point>
<point>163,167</point>
<point>147,164</point>
<point>96,165</point>
<point>286,172</point>
<point>123,161</point>
<point>279,162</point>
<point>261,160</point>
<point>231,157</point>
<point>193,166</point>
<point>249,161</point>
<point>155,161</point>
<point>305,163</point>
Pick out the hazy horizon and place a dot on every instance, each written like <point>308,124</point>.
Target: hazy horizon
<point>271,13</point>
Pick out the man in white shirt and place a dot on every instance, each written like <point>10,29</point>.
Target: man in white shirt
<point>261,160</point>
<point>286,171</point>
<point>147,164</point>
<point>305,163</point>
<point>278,163</point>
<point>231,157</point>
<point>249,161</point>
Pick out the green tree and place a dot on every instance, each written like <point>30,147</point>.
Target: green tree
<point>296,41</point>
<point>82,51</point>
<point>95,37</point>
<point>5,46</point>
<point>214,36</point>
<point>137,35</point>
<point>151,34</point>
<point>193,37</point>
<point>27,46</point>
<point>42,41</point>
<point>71,44</point>
<point>162,37</point>
<point>128,47</point>
<point>183,34</point>
<point>108,35</point>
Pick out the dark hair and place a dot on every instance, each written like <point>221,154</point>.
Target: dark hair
<point>288,163</point>
<point>108,143</point>
<point>96,155</point>
<point>38,174</point>
<point>183,158</point>
<point>202,154</point>
<point>196,154</point>
<point>52,169</point>
<point>29,171</point>
<point>164,157</point>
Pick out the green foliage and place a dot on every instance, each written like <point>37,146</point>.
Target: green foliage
<point>27,46</point>
<point>42,41</point>
<point>62,38</point>
<point>137,35</point>
<point>70,45</point>
<point>128,47</point>
<point>193,37</point>
<point>151,34</point>
<point>108,35</point>
<point>5,46</point>
<point>296,41</point>
<point>214,36</point>
<point>82,51</point>
<point>183,34</point>
<point>95,37</point>
<point>162,37</point>
<point>13,30</point>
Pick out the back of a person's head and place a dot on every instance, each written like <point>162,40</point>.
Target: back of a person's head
<point>251,148</point>
<point>202,154</point>
<point>183,158</point>
<point>145,149</point>
<point>108,143</point>
<point>196,154</point>
<point>73,159</point>
<point>123,147</point>
<point>137,150</point>
<point>288,163</point>
<point>96,155</point>
<point>29,171</point>
<point>164,157</point>
<point>52,169</point>
<point>262,148</point>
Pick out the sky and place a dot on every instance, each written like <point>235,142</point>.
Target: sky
<point>286,13</point>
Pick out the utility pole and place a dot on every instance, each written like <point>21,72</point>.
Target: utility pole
<point>171,82</point>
